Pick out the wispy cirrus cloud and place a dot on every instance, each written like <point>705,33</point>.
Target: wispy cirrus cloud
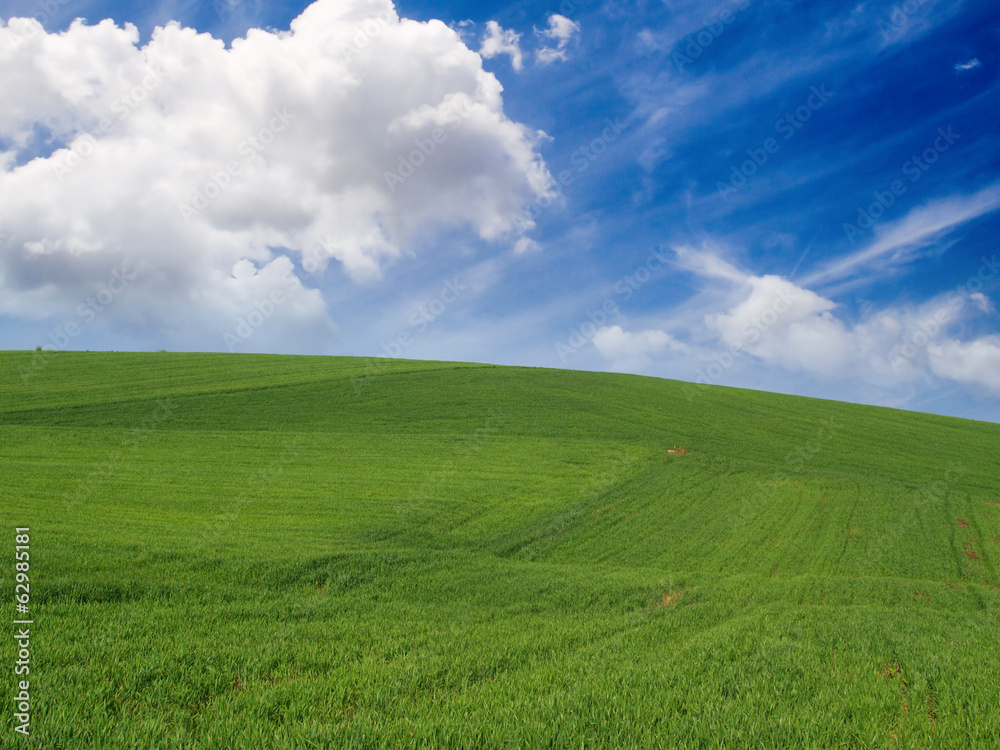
<point>902,240</point>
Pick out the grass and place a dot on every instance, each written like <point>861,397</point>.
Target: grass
<point>297,552</point>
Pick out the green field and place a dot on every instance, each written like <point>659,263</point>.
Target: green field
<point>242,551</point>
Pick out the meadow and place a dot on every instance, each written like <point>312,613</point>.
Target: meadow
<point>255,551</point>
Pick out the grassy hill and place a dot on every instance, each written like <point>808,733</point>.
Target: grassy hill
<point>234,551</point>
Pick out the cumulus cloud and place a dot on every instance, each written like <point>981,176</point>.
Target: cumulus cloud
<point>613,342</point>
<point>221,173</point>
<point>739,318</point>
<point>500,41</point>
<point>782,323</point>
<point>975,363</point>
<point>560,30</point>
<point>632,351</point>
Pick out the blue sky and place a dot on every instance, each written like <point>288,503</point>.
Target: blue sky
<point>794,197</point>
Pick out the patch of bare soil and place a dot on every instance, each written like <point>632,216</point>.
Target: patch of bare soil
<point>670,598</point>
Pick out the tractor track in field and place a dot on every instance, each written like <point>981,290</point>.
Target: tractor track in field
<point>622,473</point>
<point>786,534</point>
<point>952,525</point>
<point>987,569</point>
<point>850,525</point>
<point>961,557</point>
<point>167,392</point>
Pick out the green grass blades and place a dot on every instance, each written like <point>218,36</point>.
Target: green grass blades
<point>308,552</point>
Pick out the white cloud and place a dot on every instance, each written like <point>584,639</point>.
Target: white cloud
<point>500,41</point>
<point>709,264</point>
<point>782,323</point>
<point>969,65</point>
<point>614,343</point>
<point>739,321</point>
<point>185,158</point>
<point>975,363</point>
<point>905,23</point>
<point>898,241</point>
<point>525,245</point>
<point>632,352</point>
<point>983,302</point>
<point>561,31</point>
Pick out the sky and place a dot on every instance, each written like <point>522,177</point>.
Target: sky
<point>793,197</point>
